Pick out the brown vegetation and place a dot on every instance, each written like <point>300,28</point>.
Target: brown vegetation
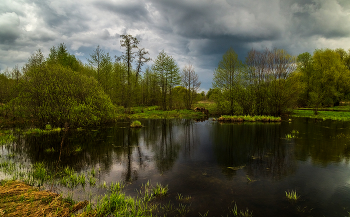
<point>19,199</point>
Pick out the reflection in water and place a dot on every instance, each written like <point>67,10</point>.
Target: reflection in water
<point>258,148</point>
<point>210,161</point>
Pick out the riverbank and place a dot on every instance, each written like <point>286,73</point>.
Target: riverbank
<point>324,115</point>
<point>151,112</point>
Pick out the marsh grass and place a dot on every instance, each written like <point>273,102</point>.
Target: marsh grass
<point>117,187</point>
<point>227,118</point>
<point>292,195</point>
<point>241,213</point>
<point>114,203</point>
<point>290,136</point>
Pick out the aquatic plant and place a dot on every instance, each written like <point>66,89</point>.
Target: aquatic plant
<point>78,149</point>
<point>160,190</point>
<point>48,127</point>
<point>116,187</point>
<point>92,181</point>
<point>136,124</point>
<point>179,196</point>
<point>204,215</point>
<point>290,136</point>
<point>241,213</point>
<point>182,209</point>
<point>292,195</point>
<point>50,150</point>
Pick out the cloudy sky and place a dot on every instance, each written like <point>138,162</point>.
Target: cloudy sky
<point>192,31</point>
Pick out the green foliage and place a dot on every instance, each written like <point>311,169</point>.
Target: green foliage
<point>325,77</point>
<point>167,73</point>
<point>56,94</point>
<point>228,78</point>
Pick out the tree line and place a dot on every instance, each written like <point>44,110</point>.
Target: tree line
<point>59,88</point>
<point>273,82</point>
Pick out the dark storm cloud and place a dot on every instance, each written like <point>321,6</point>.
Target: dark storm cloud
<point>192,31</point>
<point>9,27</point>
<point>133,11</point>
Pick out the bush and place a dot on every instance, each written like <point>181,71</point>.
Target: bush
<point>55,94</point>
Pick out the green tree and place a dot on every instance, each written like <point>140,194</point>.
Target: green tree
<point>330,79</point>
<point>167,73</point>
<point>305,67</point>
<point>228,77</point>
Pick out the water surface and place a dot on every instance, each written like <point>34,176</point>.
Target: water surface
<point>218,165</point>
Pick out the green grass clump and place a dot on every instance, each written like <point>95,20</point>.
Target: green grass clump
<point>116,187</point>
<point>136,124</point>
<point>160,190</point>
<point>241,213</point>
<point>227,118</point>
<point>292,195</point>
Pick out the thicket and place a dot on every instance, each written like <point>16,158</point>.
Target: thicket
<point>59,88</point>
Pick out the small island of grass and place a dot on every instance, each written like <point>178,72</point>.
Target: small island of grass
<point>226,118</point>
<point>136,124</point>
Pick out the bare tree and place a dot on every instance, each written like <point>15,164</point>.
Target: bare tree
<point>191,83</point>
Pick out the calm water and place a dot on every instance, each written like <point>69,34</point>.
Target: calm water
<point>212,163</point>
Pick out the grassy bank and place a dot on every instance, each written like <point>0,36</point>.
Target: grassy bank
<point>153,113</point>
<point>324,115</point>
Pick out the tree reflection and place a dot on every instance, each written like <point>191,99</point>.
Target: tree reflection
<point>119,145</point>
<point>256,148</point>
